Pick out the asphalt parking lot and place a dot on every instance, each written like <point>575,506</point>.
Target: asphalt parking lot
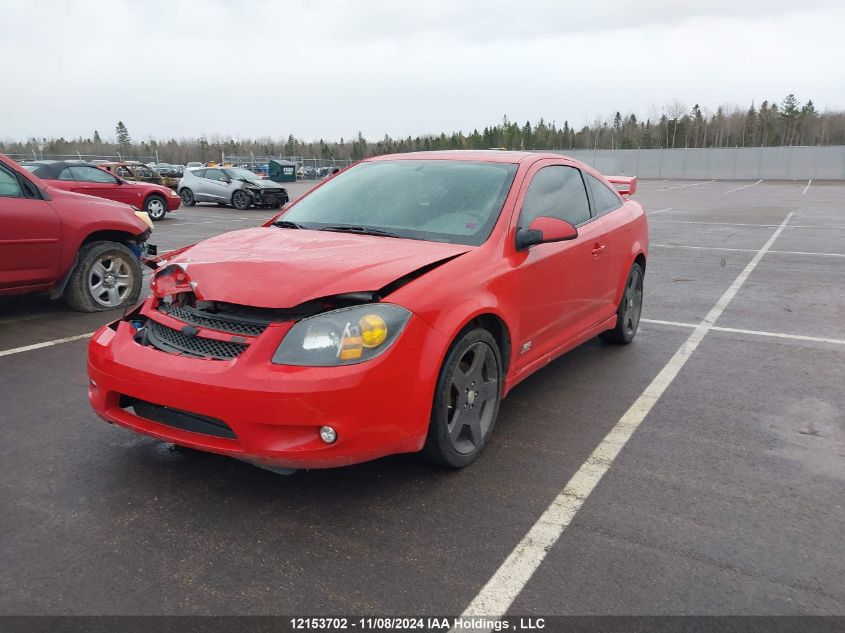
<point>728,498</point>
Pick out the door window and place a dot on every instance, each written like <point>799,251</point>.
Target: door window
<point>85,173</point>
<point>9,185</point>
<point>604,199</point>
<point>556,192</point>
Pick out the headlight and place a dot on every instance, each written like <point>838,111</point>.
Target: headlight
<point>342,337</point>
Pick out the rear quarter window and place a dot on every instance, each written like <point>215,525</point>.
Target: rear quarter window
<point>604,199</point>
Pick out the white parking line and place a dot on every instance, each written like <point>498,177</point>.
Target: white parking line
<point>660,211</point>
<point>695,184</point>
<point>256,220</point>
<point>716,328</point>
<point>746,250</point>
<point>29,348</point>
<point>501,590</point>
<point>745,187</point>
<point>809,182</point>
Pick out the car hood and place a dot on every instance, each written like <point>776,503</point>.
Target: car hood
<point>271,267</point>
<point>263,184</point>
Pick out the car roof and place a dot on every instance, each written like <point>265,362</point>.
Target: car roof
<point>51,169</point>
<point>488,155</point>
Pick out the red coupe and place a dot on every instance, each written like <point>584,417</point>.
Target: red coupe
<point>387,311</point>
<point>156,200</point>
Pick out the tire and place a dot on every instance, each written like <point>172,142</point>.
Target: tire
<point>466,400</point>
<point>187,196</point>
<point>629,310</point>
<point>241,200</point>
<point>109,267</point>
<point>156,207</point>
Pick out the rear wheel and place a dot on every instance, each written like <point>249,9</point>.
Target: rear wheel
<point>629,310</point>
<point>156,207</point>
<point>187,197</point>
<point>466,400</point>
<point>241,200</point>
<point>107,276</point>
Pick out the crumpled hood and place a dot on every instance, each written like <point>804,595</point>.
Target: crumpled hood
<point>263,184</point>
<point>270,267</point>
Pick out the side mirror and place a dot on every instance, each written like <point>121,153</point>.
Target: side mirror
<point>227,180</point>
<point>120,181</point>
<point>544,230</point>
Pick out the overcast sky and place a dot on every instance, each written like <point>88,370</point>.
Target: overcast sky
<point>316,69</point>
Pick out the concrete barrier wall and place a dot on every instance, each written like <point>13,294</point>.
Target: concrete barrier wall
<point>723,163</point>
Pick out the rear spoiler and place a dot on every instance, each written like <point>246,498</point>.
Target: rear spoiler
<point>625,185</point>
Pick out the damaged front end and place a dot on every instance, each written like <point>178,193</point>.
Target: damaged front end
<point>177,320</point>
<point>271,197</point>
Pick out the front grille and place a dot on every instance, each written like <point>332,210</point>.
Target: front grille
<point>177,418</point>
<point>214,321</point>
<point>169,340</point>
<point>269,197</point>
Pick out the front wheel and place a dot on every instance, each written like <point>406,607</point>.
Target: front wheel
<point>156,207</point>
<point>107,276</point>
<point>629,310</point>
<point>466,400</point>
<point>187,196</point>
<point>241,200</point>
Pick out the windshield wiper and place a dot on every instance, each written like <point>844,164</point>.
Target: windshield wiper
<point>287,224</point>
<point>362,230</point>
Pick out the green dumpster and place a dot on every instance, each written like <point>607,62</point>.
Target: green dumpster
<point>282,171</point>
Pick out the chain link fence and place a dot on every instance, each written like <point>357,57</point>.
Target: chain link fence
<point>252,161</point>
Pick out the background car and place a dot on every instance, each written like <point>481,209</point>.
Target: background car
<point>80,247</point>
<point>230,185</point>
<point>193,164</point>
<point>156,200</point>
<point>132,171</point>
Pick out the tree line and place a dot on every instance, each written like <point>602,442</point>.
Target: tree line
<point>788,122</point>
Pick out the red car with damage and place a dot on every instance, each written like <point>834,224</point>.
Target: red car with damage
<point>82,248</point>
<point>91,180</point>
<point>387,311</point>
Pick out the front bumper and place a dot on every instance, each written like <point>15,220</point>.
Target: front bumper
<point>173,201</point>
<point>378,408</point>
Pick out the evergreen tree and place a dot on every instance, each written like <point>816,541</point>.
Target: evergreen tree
<point>98,141</point>
<point>122,134</point>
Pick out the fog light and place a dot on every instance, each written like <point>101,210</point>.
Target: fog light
<point>328,434</point>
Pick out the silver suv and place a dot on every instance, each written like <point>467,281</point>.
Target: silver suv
<point>230,185</point>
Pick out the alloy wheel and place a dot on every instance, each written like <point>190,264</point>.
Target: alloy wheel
<point>110,281</point>
<point>473,393</point>
<point>633,302</point>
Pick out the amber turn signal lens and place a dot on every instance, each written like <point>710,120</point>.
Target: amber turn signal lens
<point>373,330</point>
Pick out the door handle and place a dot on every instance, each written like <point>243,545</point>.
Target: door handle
<point>598,248</point>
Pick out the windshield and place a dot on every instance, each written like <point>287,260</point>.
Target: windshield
<point>237,173</point>
<point>437,200</point>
